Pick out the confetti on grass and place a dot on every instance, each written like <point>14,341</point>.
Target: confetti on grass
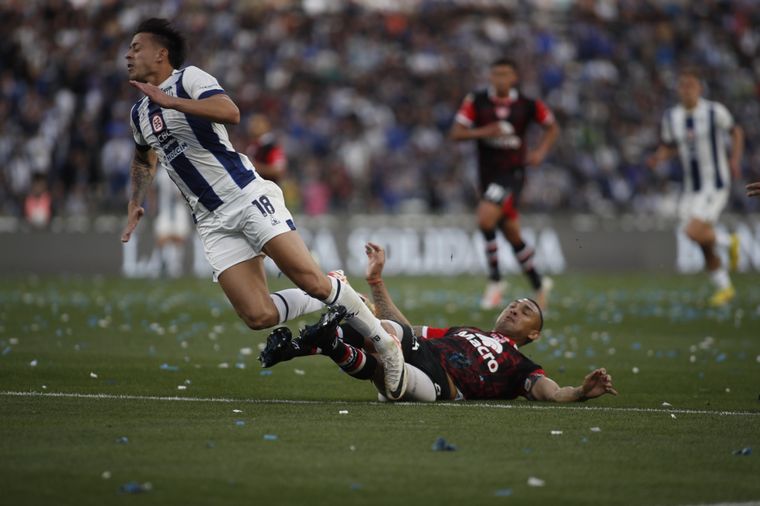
<point>747,450</point>
<point>441,445</point>
<point>535,482</point>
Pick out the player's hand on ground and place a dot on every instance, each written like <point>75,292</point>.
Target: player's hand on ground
<point>597,383</point>
<point>134,214</point>
<point>753,189</point>
<point>154,93</point>
<point>375,261</point>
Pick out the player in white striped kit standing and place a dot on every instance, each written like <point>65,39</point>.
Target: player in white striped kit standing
<point>698,131</point>
<point>240,216</point>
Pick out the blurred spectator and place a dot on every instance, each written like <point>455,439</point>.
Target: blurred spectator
<point>363,97</point>
<point>38,203</point>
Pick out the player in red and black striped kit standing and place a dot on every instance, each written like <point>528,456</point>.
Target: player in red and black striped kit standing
<point>498,118</point>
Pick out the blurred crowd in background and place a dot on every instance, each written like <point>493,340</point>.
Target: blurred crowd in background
<point>361,97</point>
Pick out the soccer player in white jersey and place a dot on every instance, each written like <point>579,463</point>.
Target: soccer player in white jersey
<point>239,216</point>
<point>697,130</point>
<point>172,225</point>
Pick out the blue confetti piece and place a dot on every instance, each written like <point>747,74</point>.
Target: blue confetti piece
<point>123,440</point>
<point>584,440</point>
<point>635,346</point>
<point>270,437</point>
<point>7,350</point>
<point>747,450</point>
<point>210,444</point>
<point>239,423</point>
<point>720,358</point>
<point>356,486</point>
<point>167,367</point>
<point>503,492</point>
<point>265,373</point>
<point>441,445</point>
<point>134,487</point>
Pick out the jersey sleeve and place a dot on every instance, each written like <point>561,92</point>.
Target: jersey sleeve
<point>466,113</point>
<point>530,381</point>
<point>134,122</point>
<point>723,117</point>
<point>543,116</point>
<point>200,84</point>
<point>433,333</point>
<point>666,129</point>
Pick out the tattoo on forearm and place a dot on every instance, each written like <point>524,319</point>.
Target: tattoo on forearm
<point>141,178</point>
<point>386,309</point>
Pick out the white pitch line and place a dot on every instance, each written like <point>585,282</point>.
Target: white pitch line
<point>750,503</point>
<point>519,406</point>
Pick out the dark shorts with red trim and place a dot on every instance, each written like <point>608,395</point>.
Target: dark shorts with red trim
<point>504,190</point>
<point>418,353</point>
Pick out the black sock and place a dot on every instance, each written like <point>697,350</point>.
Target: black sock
<point>353,361</point>
<point>492,254</point>
<point>524,255</point>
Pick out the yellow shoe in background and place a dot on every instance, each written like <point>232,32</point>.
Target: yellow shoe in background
<point>733,252</point>
<point>722,296</point>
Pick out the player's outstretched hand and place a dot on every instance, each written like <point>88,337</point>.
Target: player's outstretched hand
<point>375,261</point>
<point>154,93</point>
<point>753,189</point>
<point>597,383</point>
<point>134,214</point>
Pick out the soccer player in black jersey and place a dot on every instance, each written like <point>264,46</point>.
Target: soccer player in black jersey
<point>441,364</point>
<point>498,118</point>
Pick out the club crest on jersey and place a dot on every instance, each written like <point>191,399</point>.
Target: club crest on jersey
<point>157,123</point>
<point>502,112</point>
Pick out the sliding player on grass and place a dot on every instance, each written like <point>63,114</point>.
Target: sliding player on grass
<point>441,364</point>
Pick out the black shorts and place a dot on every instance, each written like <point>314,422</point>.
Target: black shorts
<point>418,353</point>
<point>499,188</point>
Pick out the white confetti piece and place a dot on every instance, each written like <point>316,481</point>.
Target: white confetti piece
<point>343,412</point>
<point>352,448</point>
<point>535,482</point>
<point>223,365</point>
<point>237,410</point>
<point>673,416</point>
<point>44,387</point>
<point>666,404</point>
<point>635,370</point>
<point>106,475</point>
<point>93,375</point>
<point>692,359</point>
<point>556,433</point>
<point>246,351</point>
<point>181,387</point>
<point>299,372</point>
<point>33,363</point>
<point>596,429</point>
<point>728,390</point>
<point>14,341</point>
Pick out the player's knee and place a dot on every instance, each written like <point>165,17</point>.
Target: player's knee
<point>258,320</point>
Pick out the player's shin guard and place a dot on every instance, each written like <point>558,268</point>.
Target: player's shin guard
<point>524,255</point>
<point>492,254</point>
<point>293,303</point>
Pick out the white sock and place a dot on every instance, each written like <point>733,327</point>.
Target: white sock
<point>363,321</point>
<point>720,279</point>
<point>419,386</point>
<point>293,303</point>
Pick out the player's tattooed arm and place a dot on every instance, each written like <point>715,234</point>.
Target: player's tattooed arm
<point>385,309</point>
<point>595,384</point>
<point>143,169</point>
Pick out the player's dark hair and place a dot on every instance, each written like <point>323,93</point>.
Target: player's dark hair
<point>690,71</point>
<point>504,62</point>
<point>540,315</point>
<point>167,36</point>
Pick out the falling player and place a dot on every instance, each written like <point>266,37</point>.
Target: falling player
<point>442,363</point>
<point>239,216</point>
<point>696,131</point>
<point>498,118</point>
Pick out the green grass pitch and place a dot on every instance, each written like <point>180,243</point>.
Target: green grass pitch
<point>125,353</point>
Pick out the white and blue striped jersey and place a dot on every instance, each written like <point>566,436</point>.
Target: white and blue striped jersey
<point>701,137</point>
<point>196,152</point>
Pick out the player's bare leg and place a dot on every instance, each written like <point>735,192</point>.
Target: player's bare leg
<point>245,285</point>
<point>524,254</point>
<point>703,234</point>
<point>293,258</point>
<point>489,215</point>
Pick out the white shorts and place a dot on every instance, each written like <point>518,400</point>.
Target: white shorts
<point>173,222</point>
<point>237,231</point>
<point>705,205</point>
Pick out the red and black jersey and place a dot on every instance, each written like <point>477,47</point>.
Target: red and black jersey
<point>483,365</point>
<point>515,113</point>
<point>266,150</point>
